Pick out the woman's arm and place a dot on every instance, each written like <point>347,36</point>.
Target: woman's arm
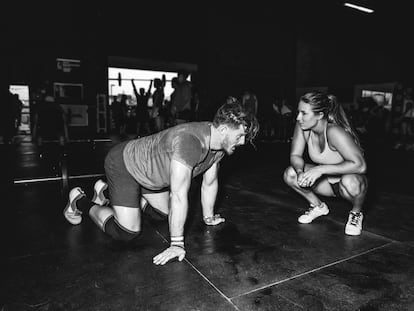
<point>297,149</point>
<point>354,162</point>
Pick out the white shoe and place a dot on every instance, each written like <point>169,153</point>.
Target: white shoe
<point>314,212</point>
<point>98,195</point>
<point>354,224</point>
<point>71,212</point>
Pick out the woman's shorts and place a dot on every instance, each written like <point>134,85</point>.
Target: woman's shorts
<point>335,189</point>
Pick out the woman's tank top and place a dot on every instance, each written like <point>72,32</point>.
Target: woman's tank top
<point>326,156</point>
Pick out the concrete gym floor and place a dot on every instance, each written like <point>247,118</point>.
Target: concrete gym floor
<point>261,258</point>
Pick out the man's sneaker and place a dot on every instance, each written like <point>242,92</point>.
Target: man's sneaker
<point>354,224</point>
<point>314,212</point>
<point>71,212</point>
<point>98,195</point>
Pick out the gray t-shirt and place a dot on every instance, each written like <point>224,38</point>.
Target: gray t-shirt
<point>148,159</point>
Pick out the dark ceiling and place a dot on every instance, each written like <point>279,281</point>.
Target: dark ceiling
<point>137,19</point>
<point>336,44</point>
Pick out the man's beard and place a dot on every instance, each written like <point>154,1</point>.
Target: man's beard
<point>228,147</point>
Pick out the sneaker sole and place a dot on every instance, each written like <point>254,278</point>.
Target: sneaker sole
<point>301,222</point>
<point>74,220</point>
<point>96,195</point>
<point>352,233</point>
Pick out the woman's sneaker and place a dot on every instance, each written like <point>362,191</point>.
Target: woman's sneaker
<point>98,195</point>
<point>71,212</point>
<point>314,212</point>
<point>354,224</point>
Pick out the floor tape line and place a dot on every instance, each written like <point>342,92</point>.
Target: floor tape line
<point>202,275</point>
<point>314,270</point>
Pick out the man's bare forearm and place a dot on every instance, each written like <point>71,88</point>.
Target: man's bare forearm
<point>208,198</point>
<point>178,213</point>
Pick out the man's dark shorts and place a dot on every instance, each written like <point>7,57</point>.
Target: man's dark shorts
<point>124,190</point>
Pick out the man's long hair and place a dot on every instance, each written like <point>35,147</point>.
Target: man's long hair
<point>233,114</point>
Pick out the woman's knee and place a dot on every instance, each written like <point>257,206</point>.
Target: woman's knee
<point>355,185</point>
<point>290,176</point>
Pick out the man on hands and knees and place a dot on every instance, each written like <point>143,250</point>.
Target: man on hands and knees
<point>155,172</point>
<point>338,167</point>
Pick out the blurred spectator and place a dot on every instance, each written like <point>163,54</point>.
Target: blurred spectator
<point>181,101</point>
<point>249,101</point>
<point>158,104</point>
<point>360,119</point>
<point>123,115</point>
<point>49,122</point>
<point>283,120</point>
<point>406,127</point>
<point>195,106</point>
<point>17,107</point>
<point>8,118</point>
<point>378,121</point>
<point>141,110</point>
<point>119,111</point>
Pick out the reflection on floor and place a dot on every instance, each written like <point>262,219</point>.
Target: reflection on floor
<point>259,259</point>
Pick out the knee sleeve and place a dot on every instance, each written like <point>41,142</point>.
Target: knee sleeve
<point>118,232</point>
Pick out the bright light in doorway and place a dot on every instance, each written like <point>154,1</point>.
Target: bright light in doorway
<point>141,78</point>
<point>23,92</point>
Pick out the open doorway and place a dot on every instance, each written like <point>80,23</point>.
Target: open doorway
<point>124,115</point>
<point>21,93</point>
<point>121,83</point>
